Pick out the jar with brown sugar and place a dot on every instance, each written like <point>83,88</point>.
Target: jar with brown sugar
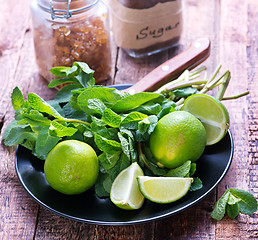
<point>145,27</point>
<point>66,31</point>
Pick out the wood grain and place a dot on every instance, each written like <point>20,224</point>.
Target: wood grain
<point>232,28</point>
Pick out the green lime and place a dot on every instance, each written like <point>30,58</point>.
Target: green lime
<point>179,136</point>
<point>125,192</point>
<point>164,189</point>
<point>71,167</point>
<point>212,113</point>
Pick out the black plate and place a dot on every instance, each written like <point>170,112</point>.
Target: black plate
<point>87,207</point>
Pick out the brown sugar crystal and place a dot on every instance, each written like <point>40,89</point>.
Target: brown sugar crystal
<point>62,44</point>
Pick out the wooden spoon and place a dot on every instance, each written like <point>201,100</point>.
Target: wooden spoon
<point>196,53</point>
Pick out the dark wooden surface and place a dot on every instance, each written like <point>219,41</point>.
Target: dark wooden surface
<point>232,27</point>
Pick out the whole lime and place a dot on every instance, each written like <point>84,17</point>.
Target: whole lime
<point>179,136</point>
<point>71,167</point>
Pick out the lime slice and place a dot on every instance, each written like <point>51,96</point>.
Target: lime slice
<point>212,113</point>
<point>125,192</point>
<point>164,189</point>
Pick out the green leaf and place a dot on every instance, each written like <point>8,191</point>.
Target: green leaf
<point>220,206</point>
<point>166,107</point>
<point>39,104</point>
<point>18,135</point>
<point>180,171</point>
<point>149,108</point>
<point>108,161</point>
<point>59,71</point>
<point>107,95</point>
<point>99,185</point>
<point>196,184</point>
<point>185,92</point>
<point>192,169</point>
<point>64,94</point>
<point>96,106</point>
<point>131,102</point>
<point>232,210</point>
<point>111,118</point>
<point>59,81</point>
<point>106,145</point>
<point>125,145</point>
<point>60,130</point>
<point>132,119</point>
<point>248,203</point>
<point>35,118</point>
<point>18,101</point>
<point>232,199</point>
<point>45,142</point>
<point>148,124</point>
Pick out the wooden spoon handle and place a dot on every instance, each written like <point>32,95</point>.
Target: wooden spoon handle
<point>197,52</point>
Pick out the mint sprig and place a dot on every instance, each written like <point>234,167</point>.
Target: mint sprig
<point>233,202</point>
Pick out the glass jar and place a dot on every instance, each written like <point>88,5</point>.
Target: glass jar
<point>66,31</point>
<point>145,27</point>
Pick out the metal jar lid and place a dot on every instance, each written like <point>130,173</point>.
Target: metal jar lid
<point>61,13</point>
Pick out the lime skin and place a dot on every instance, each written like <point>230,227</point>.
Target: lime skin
<point>179,136</point>
<point>71,167</point>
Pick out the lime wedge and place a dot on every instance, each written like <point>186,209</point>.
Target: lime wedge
<point>212,113</point>
<point>164,189</point>
<point>125,192</point>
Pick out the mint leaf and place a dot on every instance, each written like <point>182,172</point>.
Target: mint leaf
<point>132,119</point>
<point>107,161</point>
<point>59,71</point>
<point>59,81</point>
<point>39,104</point>
<point>111,118</point>
<point>45,142</point>
<point>17,99</point>
<point>17,135</point>
<point>131,102</point>
<point>192,169</point>
<point>148,124</point>
<point>180,171</point>
<point>106,145</point>
<point>149,108</point>
<point>220,206</point>
<point>60,130</point>
<point>196,184</point>
<point>35,118</point>
<point>64,94</point>
<point>232,210</point>
<point>248,203</point>
<point>96,106</point>
<point>107,95</point>
<point>99,185</point>
<point>125,145</point>
<point>232,200</point>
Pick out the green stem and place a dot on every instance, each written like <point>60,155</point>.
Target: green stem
<point>190,76</point>
<point>214,83</point>
<point>224,86</point>
<point>185,84</point>
<point>236,96</point>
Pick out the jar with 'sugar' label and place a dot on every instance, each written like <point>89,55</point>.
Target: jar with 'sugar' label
<point>146,27</point>
<point>66,31</point>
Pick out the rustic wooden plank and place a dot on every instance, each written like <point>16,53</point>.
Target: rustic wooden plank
<point>234,39</point>
<point>18,211</point>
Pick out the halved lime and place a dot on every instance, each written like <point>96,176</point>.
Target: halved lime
<point>212,113</point>
<point>125,192</point>
<point>164,189</point>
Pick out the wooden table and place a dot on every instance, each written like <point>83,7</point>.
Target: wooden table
<point>232,27</point>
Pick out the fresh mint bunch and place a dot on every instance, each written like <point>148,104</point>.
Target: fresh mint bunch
<point>234,201</point>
